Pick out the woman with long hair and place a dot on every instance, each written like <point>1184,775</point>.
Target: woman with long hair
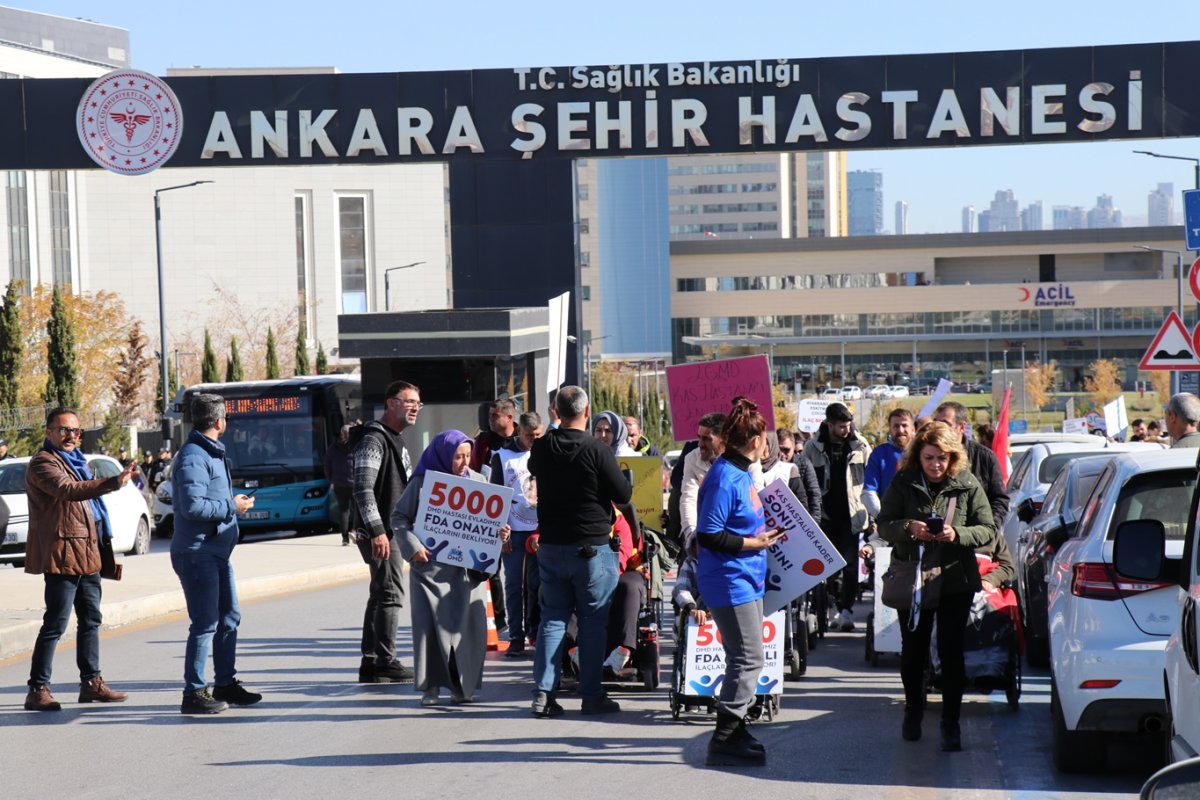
<point>915,518</point>
<point>448,603</point>
<point>731,573</point>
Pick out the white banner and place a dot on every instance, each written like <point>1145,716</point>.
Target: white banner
<point>1077,425</point>
<point>458,520</point>
<point>810,414</point>
<point>556,365</point>
<point>887,620</point>
<point>802,557</point>
<point>1116,418</point>
<point>704,666</point>
<point>935,399</point>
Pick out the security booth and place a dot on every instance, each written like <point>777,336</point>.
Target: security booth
<point>458,358</point>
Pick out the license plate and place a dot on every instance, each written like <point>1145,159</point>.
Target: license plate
<point>256,515</point>
<point>10,537</point>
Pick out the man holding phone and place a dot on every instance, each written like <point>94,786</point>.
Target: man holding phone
<point>67,517</point>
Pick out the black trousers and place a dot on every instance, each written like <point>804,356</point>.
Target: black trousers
<point>623,615</point>
<point>345,496</point>
<point>951,615</point>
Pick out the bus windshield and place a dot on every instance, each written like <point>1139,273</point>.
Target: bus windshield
<point>294,445</point>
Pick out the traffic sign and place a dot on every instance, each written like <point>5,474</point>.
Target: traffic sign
<point>1172,347</point>
<point>1191,218</point>
<point>1194,279</point>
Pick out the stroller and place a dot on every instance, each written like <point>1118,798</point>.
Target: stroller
<point>992,650</point>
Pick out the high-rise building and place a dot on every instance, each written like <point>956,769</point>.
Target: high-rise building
<point>865,191</point>
<point>901,218</point>
<point>969,223</point>
<point>1003,213</point>
<point>1068,218</point>
<point>1161,205</point>
<point>985,221</point>
<point>757,196</point>
<point>1104,214</point>
<point>1031,217</point>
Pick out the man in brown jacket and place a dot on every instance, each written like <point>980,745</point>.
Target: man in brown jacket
<point>66,518</point>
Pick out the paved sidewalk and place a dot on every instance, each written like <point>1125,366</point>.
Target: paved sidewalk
<point>150,589</point>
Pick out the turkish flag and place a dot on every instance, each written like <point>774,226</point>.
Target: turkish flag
<point>1000,441</point>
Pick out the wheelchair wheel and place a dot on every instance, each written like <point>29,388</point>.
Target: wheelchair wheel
<point>676,705</point>
<point>1012,692</point>
<point>870,655</point>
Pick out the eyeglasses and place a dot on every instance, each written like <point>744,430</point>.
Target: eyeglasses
<point>70,431</point>
<point>417,404</point>
<point>785,451</point>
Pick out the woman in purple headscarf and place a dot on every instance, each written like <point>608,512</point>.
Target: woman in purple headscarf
<point>448,603</point>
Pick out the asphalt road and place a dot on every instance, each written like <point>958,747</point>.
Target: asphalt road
<point>318,734</point>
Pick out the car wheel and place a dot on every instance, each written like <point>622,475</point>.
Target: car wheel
<point>165,529</point>
<point>1037,651</point>
<point>1074,751</point>
<point>141,542</point>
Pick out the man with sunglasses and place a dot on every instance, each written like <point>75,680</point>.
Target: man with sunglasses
<point>382,467</point>
<point>67,517</point>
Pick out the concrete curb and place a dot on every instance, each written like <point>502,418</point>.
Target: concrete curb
<point>18,639</point>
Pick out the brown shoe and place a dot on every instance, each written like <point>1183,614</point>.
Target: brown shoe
<point>97,691</point>
<point>40,699</point>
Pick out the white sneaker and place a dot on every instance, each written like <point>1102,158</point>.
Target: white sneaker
<point>573,655</point>
<point>845,622</point>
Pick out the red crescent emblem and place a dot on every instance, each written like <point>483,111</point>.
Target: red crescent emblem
<point>1024,294</point>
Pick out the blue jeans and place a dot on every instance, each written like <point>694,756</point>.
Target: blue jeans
<point>213,609</point>
<point>575,585</point>
<point>517,582</point>
<point>82,592</point>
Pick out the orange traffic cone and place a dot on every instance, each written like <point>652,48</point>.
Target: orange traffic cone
<point>493,635</point>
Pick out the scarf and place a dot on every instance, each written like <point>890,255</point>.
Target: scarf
<point>618,428</point>
<point>77,462</point>
<point>772,451</point>
<point>439,455</point>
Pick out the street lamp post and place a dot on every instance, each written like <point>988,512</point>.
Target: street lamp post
<point>1195,162</point>
<point>162,307</point>
<point>387,282</point>
<point>1175,377</point>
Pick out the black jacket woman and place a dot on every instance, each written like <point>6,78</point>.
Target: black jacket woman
<point>933,473</point>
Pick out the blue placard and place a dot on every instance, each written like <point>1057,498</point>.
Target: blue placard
<point>1018,426</point>
<point>1191,218</point>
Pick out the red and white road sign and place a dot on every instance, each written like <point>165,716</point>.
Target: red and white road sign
<point>1172,348</point>
<point>1194,279</point>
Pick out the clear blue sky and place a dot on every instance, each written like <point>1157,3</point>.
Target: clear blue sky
<point>369,36</point>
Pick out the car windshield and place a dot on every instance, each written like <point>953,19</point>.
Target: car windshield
<point>1165,496</point>
<point>12,478</point>
<point>1052,464</point>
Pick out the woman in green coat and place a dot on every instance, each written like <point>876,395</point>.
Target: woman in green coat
<point>932,473</point>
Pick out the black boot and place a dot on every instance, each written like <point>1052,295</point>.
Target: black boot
<point>742,734</point>
<point>727,749</point>
<point>951,737</point>
<point>910,729</point>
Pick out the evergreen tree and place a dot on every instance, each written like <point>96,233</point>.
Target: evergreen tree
<point>113,436</point>
<point>11,346</point>
<point>233,365</point>
<point>208,369</point>
<point>322,360</point>
<point>272,358</point>
<point>132,365</point>
<point>61,387</point>
<point>302,364</point>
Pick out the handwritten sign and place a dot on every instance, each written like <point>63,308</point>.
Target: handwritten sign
<point>803,556</point>
<point>810,414</point>
<point>702,387</point>
<point>459,520</point>
<point>704,666</point>
<point>646,473</point>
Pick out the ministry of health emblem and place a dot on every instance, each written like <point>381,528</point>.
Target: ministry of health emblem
<point>129,122</point>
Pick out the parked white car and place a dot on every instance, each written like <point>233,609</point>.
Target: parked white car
<point>852,392</point>
<point>1108,632</point>
<point>1142,552</point>
<point>831,394</point>
<point>876,391</point>
<point>164,514</point>
<point>896,392</point>
<point>126,508</point>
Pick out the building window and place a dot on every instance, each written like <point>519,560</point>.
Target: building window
<point>302,260</point>
<point>583,191</point>
<point>352,252</point>
<point>585,258</point>
<point>585,225</point>
<point>585,293</point>
<point>18,229</point>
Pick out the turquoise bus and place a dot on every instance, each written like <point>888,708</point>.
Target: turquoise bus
<point>276,441</point>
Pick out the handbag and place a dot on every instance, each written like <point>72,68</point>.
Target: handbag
<point>109,568</point>
<point>903,581</point>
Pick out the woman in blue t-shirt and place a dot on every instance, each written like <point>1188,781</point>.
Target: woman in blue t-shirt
<point>731,574</point>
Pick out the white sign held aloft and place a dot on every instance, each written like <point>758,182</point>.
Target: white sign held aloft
<point>1116,419</point>
<point>459,520</point>
<point>1078,425</point>
<point>935,399</point>
<point>810,414</point>
<point>803,556</point>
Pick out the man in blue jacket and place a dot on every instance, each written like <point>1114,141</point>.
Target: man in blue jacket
<point>206,529</point>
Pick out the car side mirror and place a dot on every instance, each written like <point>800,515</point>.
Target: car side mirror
<point>1026,511</point>
<point>1058,535</point>
<point>1174,780</point>
<point>1139,550</point>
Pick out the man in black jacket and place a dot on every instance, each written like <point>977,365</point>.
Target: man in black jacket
<point>578,482</point>
<point>984,465</point>
<point>382,467</point>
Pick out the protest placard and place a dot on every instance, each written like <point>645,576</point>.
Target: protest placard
<point>647,476</point>
<point>458,520</point>
<point>939,394</point>
<point>802,557</point>
<point>810,414</point>
<point>704,666</point>
<point>702,387</point>
<point>886,623</point>
<point>1077,425</point>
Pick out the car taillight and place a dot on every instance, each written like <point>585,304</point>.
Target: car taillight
<point>1101,582</point>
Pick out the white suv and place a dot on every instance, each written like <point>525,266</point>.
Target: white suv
<point>1142,553</point>
<point>1107,632</point>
